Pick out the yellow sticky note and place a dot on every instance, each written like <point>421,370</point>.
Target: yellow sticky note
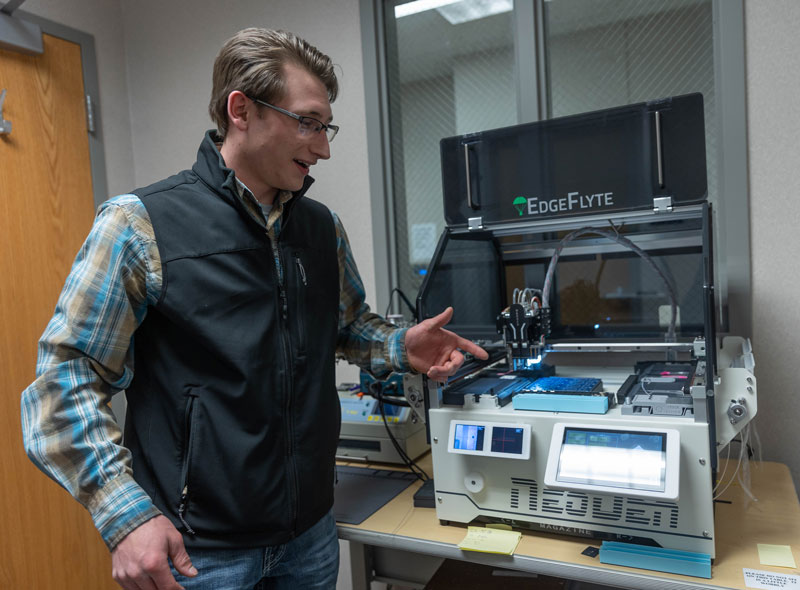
<point>490,540</point>
<point>779,555</point>
<point>499,526</point>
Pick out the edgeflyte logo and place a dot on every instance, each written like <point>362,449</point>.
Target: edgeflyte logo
<point>573,201</point>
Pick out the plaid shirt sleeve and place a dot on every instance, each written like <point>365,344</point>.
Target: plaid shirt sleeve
<point>85,357</point>
<point>365,338</point>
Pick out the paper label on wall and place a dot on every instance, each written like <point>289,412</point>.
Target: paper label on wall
<point>770,580</point>
<point>422,243</point>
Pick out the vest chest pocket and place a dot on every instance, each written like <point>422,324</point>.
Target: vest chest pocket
<point>313,280</point>
<point>302,310</point>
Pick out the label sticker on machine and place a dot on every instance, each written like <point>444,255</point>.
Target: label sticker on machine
<point>490,439</point>
<point>632,461</point>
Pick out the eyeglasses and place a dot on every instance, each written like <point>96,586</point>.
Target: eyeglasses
<point>307,124</point>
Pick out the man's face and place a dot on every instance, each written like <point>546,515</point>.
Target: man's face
<point>275,155</point>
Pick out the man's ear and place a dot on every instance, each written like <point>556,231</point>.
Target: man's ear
<point>239,110</point>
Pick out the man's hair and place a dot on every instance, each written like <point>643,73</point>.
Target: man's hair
<point>252,61</point>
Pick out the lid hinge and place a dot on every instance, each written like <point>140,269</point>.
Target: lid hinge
<point>662,204</point>
<point>475,223</point>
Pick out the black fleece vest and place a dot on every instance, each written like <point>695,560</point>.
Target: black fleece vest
<point>233,416</point>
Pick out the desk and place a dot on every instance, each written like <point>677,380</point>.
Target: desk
<point>773,519</point>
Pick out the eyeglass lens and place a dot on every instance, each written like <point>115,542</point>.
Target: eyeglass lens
<point>310,125</point>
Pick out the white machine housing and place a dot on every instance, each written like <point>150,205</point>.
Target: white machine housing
<point>599,223</point>
<point>364,437</point>
<point>514,491</point>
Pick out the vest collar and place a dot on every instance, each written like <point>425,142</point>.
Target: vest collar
<point>211,169</point>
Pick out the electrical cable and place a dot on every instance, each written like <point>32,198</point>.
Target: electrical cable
<point>742,468</point>
<point>377,390</point>
<point>744,474</point>
<point>405,300</point>
<point>400,402</point>
<point>420,474</point>
<point>622,240</point>
<point>722,475</point>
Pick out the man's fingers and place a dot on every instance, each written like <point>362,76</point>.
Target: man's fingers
<point>456,359</point>
<point>447,368</point>
<point>127,584</point>
<point>442,319</point>
<point>164,580</point>
<point>472,348</point>
<point>141,560</point>
<point>180,559</point>
<point>160,572</point>
<point>138,581</point>
<point>436,374</point>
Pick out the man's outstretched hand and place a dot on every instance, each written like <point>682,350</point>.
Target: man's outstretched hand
<point>435,351</point>
<point>139,562</point>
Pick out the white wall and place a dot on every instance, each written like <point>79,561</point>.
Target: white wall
<point>773,60</point>
<point>171,48</point>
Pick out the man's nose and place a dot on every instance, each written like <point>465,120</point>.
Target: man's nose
<point>321,146</point>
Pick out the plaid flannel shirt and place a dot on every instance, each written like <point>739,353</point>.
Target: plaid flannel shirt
<point>86,356</point>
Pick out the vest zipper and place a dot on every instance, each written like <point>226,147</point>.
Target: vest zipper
<point>302,284</point>
<point>187,457</point>
<point>289,368</point>
<point>301,269</point>
<point>182,509</point>
<point>280,271</point>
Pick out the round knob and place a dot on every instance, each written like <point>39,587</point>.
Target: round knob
<point>473,482</point>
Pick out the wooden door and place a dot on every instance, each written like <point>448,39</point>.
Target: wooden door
<point>46,209</point>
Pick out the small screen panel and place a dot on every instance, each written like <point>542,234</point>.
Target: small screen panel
<point>469,437</point>
<point>615,458</point>
<point>507,440</point>
<point>503,440</point>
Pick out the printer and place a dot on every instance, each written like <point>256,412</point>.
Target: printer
<point>579,252</point>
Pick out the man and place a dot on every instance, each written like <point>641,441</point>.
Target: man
<point>218,299</point>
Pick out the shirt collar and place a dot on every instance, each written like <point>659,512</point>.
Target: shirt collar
<point>252,203</point>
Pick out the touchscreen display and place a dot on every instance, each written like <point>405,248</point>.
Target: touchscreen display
<point>469,437</point>
<point>507,440</point>
<point>616,458</point>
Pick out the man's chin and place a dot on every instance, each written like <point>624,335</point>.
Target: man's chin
<point>297,186</point>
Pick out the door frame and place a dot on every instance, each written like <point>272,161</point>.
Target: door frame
<point>91,87</point>
<point>97,160</point>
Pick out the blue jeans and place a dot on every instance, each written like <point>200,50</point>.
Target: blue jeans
<point>309,561</point>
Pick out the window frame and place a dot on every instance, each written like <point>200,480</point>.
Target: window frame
<point>733,287</point>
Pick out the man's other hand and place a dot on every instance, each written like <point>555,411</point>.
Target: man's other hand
<point>139,562</point>
<point>435,351</point>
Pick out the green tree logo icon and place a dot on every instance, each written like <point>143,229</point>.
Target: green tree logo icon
<point>519,204</point>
